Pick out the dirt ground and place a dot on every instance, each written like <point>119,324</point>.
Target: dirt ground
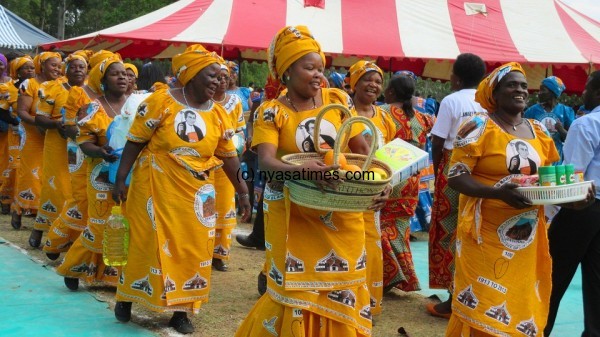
<point>234,292</point>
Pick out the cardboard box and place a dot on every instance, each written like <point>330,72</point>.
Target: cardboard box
<point>403,158</point>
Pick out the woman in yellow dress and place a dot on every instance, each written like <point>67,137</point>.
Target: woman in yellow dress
<point>132,76</point>
<point>317,289</point>
<point>366,81</point>
<point>502,280</point>
<point>28,184</point>
<point>226,213</point>
<point>56,183</point>
<point>5,82</point>
<point>412,127</point>
<point>84,259</point>
<point>21,68</point>
<point>179,137</point>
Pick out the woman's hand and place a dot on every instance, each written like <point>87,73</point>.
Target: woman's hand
<point>119,193</point>
<point>62,129</point>
<point>316,172</point>
<point>379,202</point>
<point>244,204</point>
<point>512,197</point>
<point>590,198</point>
<point>105,152</point>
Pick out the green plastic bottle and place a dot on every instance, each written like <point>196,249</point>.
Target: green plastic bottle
<point>116,239</point>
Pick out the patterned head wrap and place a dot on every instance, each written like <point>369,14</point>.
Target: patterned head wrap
<point>17,63</point>
<point>289,45</point>
<point>406,73</point>
<point>189,63</point>
<point>97,74</point>
<point>43,57</point>
<point>101,56</point>
<point>5,62</point>
<point>554,84</point>
<point>486,87</point>
<point>233,67</point>
<point>132,67</point>
<point>360,68</point>
<point>337,79</point>
<point>85,53</point>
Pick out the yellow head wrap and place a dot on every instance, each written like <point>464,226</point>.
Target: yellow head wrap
<point>16,64</point>
<point>71,58</point>
<point>101,56</point>
<point>97,73</point>
<point>290,44</point>
<point>85,53</point>
<point>132,67</point>
<point>485,90</point>
<point>43,57</point>
<point>360,68</point>
<point>187,64</point>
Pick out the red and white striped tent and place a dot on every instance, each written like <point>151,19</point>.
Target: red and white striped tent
<point>424,36</point>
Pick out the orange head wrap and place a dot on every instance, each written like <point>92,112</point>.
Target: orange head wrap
<point>85,53</point>
<point>485,90</point>
<point>189,63</point>
<point>289,45</point>
<point>40,58</point>
<point>97,73</point>
<point>17,63</point>
<point>101,56</point>
<point>133,68</point>
<point>360,68</point>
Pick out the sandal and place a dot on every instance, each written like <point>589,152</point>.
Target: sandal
<point>219,265</point>
<point>431,309</point>
<point>53,256</point>
<point>181,323</point>
<point>72,283</point>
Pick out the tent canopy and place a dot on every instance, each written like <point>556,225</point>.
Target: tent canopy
<point>16,33</point>
<point>419,35</point>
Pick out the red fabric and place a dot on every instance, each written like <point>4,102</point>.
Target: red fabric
<point>314,3</point>
<point>574,79</point>
<point>473,32</point>
<point>253,24</point>
<point>582,39</point>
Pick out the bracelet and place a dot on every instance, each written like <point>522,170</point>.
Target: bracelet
<point>244,196</point>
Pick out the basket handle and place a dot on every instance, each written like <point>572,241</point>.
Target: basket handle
<point>346,127</point>
<point>319,118</point>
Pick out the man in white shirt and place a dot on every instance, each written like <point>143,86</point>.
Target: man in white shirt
<point>467,72</point>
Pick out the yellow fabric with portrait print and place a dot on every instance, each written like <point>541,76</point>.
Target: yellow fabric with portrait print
<point>28,182</point>
<point>503,280</point>
<point>171,209</point>
<point>226,211</point>
<point>327,277</point>
<point>56,182</point>
<point>86,252</point>
<point>386,130</point>
<point>8,101</point>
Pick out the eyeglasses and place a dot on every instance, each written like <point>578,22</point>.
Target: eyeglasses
<point>222,78</point>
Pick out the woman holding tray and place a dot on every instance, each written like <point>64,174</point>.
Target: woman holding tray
<point>317,289</point>
<point>366,81</point>
<point>502,280</point>
<point>412,127</point>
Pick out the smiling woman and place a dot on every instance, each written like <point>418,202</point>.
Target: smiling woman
<point>498,230</point>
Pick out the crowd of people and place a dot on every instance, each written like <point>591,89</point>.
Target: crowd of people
<point>505,262</point>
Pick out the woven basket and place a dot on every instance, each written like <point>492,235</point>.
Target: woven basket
<point>351,195</point>
<point>551,195</point>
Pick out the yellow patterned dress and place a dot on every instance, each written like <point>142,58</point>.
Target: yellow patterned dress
<point>386,130</point>
<point>56,182</point>
<point>316,289</point>
<point>503,280</point>
<point>226,212</point>
<point>171,209</point>
<point>72,220</point>
<point>84,258</point>
<point>28,184</point>
<point>8,101</point>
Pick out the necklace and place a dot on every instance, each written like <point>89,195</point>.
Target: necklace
<point>110,106</point>
<point>188,104</point>
<point>514,126</point>
<point>221,101</point>
<point>287,98</point>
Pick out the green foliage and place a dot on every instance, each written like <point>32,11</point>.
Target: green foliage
<point>256,72</point>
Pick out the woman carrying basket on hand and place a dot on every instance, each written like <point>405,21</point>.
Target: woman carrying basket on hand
<point>317,289</point>
<point>502,280</point>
